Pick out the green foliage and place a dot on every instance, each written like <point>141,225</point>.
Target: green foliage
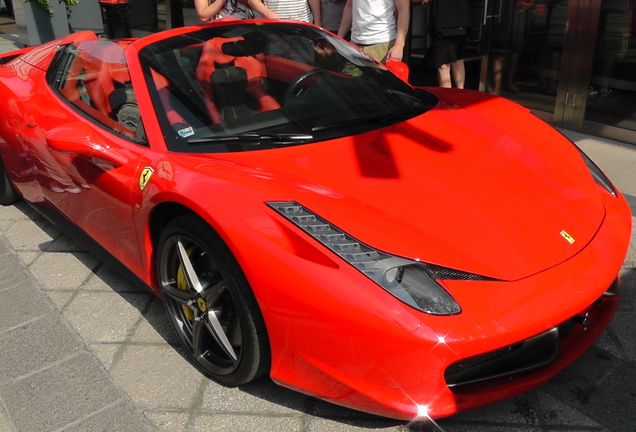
<point>46,4</point>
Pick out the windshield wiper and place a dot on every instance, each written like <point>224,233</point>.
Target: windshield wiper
<point>389,118</point>
<point>351,122</point>
<point>251,138</point>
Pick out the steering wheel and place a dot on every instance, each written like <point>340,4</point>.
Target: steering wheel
<point>294,86</point>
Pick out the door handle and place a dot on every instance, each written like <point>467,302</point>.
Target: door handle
<point>577,99</point>
<point>567,98</point>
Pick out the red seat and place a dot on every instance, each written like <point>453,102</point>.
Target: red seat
<point>108,67</point>
<point>93,74</point>
<point>213,58</point>
<point>164,93</point>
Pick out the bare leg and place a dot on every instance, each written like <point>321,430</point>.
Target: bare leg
<point>459,73</point>
<point>497,74</point>
<point>444,75</point>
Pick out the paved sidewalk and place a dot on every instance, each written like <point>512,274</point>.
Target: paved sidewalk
<point>9,42</point>
<point>82,349</point>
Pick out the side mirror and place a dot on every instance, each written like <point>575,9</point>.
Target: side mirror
<point>398,68</point>
<point>80,139</point>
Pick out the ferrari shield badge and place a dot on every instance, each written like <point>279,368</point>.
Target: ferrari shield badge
<point>567,236</point>
<point>144,178</point>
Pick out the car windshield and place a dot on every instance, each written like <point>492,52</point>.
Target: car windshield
<point>258,85</point>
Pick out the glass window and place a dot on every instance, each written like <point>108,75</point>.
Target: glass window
<point>612,95</point>
<point>246,86</point>
<point>93,77</point>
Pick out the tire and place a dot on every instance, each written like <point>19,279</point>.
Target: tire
<point>8,193</point>
<point>210,303</point>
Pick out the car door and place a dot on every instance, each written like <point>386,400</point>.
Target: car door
<point>87,145</point>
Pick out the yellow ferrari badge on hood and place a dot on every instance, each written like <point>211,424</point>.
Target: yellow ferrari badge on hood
<point>144,178</point>
<point>567,236</point>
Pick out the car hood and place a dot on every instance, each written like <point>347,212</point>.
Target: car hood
<point>477,184</point>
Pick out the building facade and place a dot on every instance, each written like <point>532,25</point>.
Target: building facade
<point>572,62</point>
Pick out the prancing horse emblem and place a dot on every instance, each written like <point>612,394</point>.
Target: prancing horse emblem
<point>144,178</point>
<point>567,236</point>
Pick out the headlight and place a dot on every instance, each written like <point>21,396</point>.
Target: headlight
<point>410,281</point>
<point>599,177</point>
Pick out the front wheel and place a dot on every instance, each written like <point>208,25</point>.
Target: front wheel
<point>210,303</point>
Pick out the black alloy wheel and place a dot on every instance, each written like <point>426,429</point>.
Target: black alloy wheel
<point>210,303</point>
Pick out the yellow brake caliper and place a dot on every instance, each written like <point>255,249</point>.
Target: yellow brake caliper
<point>182,284</point>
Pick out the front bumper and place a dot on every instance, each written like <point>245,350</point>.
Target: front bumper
<point>546,359</point>
<point>336,336</point>
<point>538,351</point>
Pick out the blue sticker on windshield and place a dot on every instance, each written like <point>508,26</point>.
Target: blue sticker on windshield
<point>184,133</point>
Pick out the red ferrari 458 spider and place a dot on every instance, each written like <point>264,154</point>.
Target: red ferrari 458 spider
<point>306,214</point>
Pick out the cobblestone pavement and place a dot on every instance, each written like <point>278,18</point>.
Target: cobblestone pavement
<point>82,349</point>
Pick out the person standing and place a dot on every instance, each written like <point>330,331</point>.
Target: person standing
<point>331,14</point>
<point>298,10</point>
<point>374,27</point>
<point>209,10</point>
<point>450,24</point>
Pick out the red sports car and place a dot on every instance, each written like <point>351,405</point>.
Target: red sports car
<point>306,214</point>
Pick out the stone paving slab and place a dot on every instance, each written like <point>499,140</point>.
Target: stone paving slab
<point>121,416</point>
<point>600,386</point>
<point>49,380</point>
<point>34,346</point>
<point>70,390</point>
<point>21,304</point>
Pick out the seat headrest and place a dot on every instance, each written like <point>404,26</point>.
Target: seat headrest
<point>252,43</point>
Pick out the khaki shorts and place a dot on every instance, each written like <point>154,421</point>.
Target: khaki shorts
<point>377,51</point>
